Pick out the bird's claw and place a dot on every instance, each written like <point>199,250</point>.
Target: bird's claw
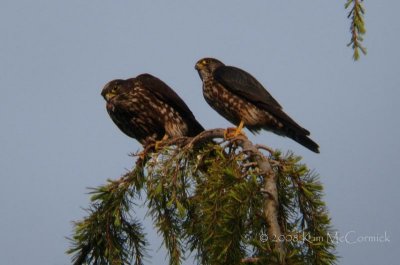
<point>142,154</point>
<point>231,133</point>
<point>158,144</point>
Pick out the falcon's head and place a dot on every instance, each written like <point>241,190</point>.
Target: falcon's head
<point>115,91</point>
<point>115,88</point>
<point>207,66</point>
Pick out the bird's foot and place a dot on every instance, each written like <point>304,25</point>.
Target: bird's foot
<point>231,133</point>
<point>158,144</point>
<point>142,155</point>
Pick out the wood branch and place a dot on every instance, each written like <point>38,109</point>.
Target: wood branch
<point>250,260</point>
<point>271,203</point>
<point>188,142</point>
<point>264,147</point>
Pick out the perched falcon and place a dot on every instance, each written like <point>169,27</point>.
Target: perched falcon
<point>241,99</point>
<point>147,109</point>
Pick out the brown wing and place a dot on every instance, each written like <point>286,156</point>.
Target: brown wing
<point>247,87</point>
<point>163,92</point>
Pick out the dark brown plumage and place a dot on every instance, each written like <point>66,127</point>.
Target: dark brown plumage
<point>240,98</point>
<point>147,109</point>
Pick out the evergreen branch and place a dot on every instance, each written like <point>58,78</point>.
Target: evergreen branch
<point>309,223</point>
<point>216,196</point>
<point>215,227</point>
<point>167,198</point>
<point>315,220</point>
<point>357,27</point>
<point>110,234</point>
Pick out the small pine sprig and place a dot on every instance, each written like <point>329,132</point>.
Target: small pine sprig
<point>219,208</point>
<point>167,190</point>
<point>110,234</point>
<point>304,214</point>
<point>357,27</point>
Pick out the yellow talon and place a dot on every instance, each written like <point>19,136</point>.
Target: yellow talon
<point>158,143</point>
<point>142,155</point>
<point>233,132</point>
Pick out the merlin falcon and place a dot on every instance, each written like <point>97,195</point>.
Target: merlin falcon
<point>147,109</point>
<point>241,99</point>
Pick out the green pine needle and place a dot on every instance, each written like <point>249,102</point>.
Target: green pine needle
<point>357,27</point>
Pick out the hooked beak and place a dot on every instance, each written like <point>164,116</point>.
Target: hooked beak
<point>199,66</point>
<point>109,96</point>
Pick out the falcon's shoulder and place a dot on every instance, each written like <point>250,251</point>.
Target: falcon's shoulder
<point>163,92</point>
<point>166,94</point>
<point>244,85</point>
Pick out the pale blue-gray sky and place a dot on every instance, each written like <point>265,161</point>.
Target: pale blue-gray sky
<point>57,139</point>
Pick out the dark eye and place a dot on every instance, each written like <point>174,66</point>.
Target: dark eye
<point>115,88</point>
